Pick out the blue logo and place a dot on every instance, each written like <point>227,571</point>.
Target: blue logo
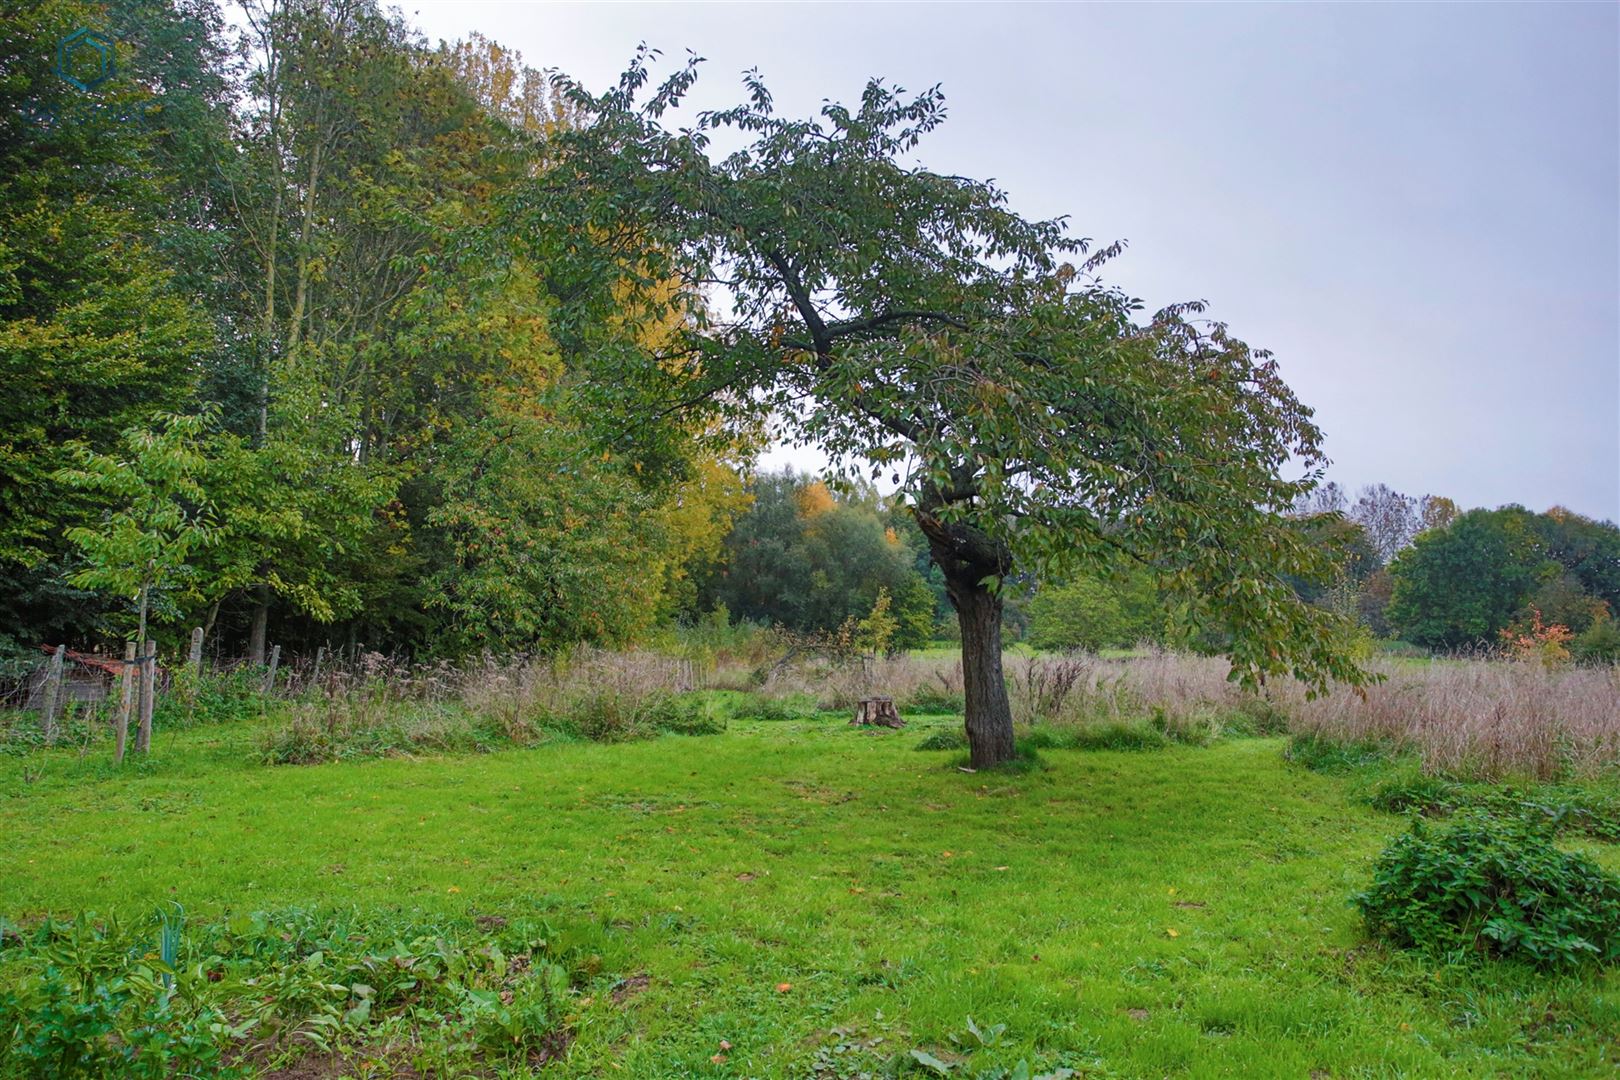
<point>86,59</point>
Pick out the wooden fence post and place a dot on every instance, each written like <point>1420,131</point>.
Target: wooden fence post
<point>315,674</point>
<point>143,733</point>
<point>52,694</point>
<point>270,676</point>
<point>194,658</point>
<point>126,692</point>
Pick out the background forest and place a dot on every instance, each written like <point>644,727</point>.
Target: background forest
<point>280,364</point>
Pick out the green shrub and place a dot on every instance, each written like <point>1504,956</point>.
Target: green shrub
<point>1598,644</point>
<point>944,739</point>
<point>1562,808</point>
<point>684,714</point>
<point>935,700</point>
<point>1257,716</point>
<point>317,733</point>
<point>611,716</point>
<point>1325,755</point>
<point>1418,792</point>
<point>759,707</point>
<point>1118,737</point>
<point>1104,736</point>
<point>213,698</point>
<point>1493,886</point>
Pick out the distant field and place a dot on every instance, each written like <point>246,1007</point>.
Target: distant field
<point>826,900</point>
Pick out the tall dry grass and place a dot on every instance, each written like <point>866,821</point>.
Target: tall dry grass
<point>1485,718</point>
<point>1479,717</point>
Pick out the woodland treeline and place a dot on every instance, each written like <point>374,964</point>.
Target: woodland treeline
<point>274,365</point>
<point>284,359</point>
<point>1409,569</point>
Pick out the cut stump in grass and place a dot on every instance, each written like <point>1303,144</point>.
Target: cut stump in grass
<point>877,712</point>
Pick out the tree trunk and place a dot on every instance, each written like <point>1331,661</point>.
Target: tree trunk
<point>989,716</point>
<point>261,623</point>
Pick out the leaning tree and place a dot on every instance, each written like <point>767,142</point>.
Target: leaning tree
<point>910,323</point>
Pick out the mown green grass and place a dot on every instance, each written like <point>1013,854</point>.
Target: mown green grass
<point>1177,912</point>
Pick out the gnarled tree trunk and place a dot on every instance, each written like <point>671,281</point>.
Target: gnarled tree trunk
<point>970,559</point>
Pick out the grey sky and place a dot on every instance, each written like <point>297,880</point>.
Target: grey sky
<point>1417,207</point>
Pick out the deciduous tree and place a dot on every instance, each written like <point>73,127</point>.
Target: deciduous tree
<point>911,323</point>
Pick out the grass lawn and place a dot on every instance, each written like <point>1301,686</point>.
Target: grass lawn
<point>826,900</point>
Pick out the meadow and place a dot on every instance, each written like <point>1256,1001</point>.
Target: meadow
<point>776,894</point>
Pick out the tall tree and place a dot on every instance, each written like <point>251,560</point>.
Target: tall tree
<point>1389,519</point>
<point>1459,586</point>
<point>100,331</point>
<point>909,322</point>
<point>147,543</point>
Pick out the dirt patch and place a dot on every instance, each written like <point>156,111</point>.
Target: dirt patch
<point>1190,904</point>
<point>554,1047</point>
<point>487,923</point>
<point>331,1065</point>
<point>1139,1015</point>
<point>630,987</point>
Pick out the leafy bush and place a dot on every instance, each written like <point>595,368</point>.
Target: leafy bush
<point>1253,715</point>
<point>685,714</point>
<point>1325,755</point>
<point>935,700</point>
<point>1558,806</point>
<point>1494,886</point>
<point>611,716</point>
<point>760,707</point>
<point>1418,792</point>
<point>944,739</point>
<point>213,698</point>
<point>1107,736</point>
<point>1598,644</point>
<point>104,998</point>
<point>313,734</point>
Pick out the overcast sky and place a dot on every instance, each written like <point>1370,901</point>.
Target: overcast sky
<point>1417,207</point>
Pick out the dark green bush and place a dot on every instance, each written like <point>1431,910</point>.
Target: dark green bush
<point>1497,887</point>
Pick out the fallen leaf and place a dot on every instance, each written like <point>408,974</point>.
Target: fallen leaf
<point>782,988</point>
<point>1171,931</point>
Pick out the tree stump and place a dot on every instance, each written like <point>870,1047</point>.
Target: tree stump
<point>877,712</point>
